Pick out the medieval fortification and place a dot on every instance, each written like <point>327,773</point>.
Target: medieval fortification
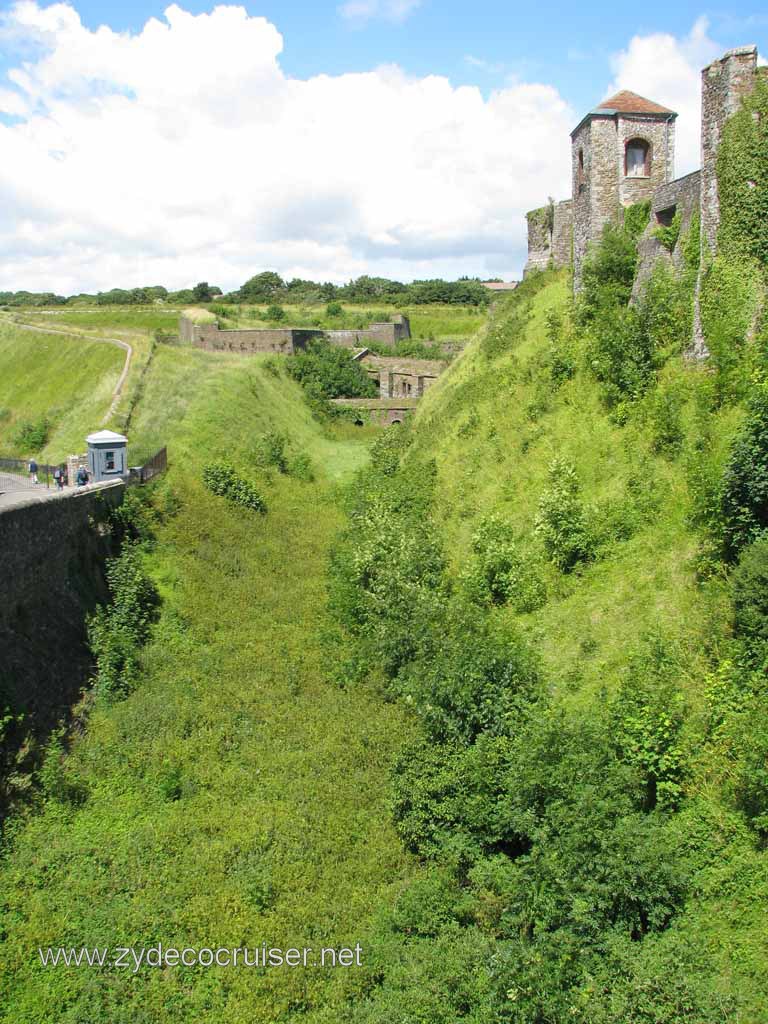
<point>623,152</point>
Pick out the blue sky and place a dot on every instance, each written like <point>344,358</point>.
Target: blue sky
<point>322,140</point>
<point>565,44</point>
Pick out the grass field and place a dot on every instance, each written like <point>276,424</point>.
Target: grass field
<point>277,829</point>
<point>69,382</point>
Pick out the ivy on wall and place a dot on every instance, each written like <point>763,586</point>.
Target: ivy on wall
<point>742,179</point>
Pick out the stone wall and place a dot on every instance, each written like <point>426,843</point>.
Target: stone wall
<point>401,378</point>
<point>660,134</point>
<point>682,196</point>
<point>724,83</point>
<point>547,247</point>
<point>286,340</point>
<point>52,556</point>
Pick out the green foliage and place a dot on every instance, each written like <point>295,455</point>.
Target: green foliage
<point>502,574</point>
<point>744,495</point>
<point>334,309</point>
<point>742,180</point>
<point>222,479</point>
<point>666,421</point>
<point>750,593</point>
<point>729,297</point>
<point>608,273</point>
<point>329,371</point>
<point>562,522</point>
<point>636,218</point>
<point>275,312</point>
<point>668,234</point>
<point>32,435</point>
<point>690,247</point>
<point>117,631</point>
<point>272,450</point>
<point>647,717</point>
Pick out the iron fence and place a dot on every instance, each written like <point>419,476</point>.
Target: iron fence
<point>15,475</point>
<point>148,467</point>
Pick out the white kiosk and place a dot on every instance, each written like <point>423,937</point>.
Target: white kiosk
<point>107,455</point>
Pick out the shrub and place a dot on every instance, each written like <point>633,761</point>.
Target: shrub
<point>608,273</point>
<point>275,312</point>
<point>744,494</point>
<point>32,435</point>
<point>300,467</point>
<point>562,521</point>
<point>271,451</point>
<point>329,371</point>
<point>116,632</point>
<point>750,593</point>
<point>222,479</point>
<point>334,309</point>
<point>666,421</point>
<point>501,574</point>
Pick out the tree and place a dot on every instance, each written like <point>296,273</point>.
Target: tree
<point>263,287</point>
<point>202,292</point>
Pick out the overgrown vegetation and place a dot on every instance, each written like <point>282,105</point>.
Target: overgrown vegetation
<point>223,480</point>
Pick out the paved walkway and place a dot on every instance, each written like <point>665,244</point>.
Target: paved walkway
<point>14,494</point>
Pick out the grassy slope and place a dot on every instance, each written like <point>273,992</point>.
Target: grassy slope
<point>69,381</point>
<point>281,832</point>
<point>494,444</point>
<point>493,450</point>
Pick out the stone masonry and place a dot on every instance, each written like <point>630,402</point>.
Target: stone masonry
<point>623,152</point>
<point>286,340</point>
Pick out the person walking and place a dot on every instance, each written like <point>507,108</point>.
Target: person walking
<point>58,476</point>
<point>33,471</point>
<point>82,476</point>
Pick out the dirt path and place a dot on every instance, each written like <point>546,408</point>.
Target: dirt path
<point>116,394</point>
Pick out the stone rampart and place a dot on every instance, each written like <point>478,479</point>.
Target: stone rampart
<point>52,556</point>
<point>287,340</point>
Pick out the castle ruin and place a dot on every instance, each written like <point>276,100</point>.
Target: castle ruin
<point>623,152</point>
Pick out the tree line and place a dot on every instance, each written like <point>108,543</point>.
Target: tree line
<point>269,286</point>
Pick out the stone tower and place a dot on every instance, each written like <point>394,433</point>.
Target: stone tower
<point>724,83</point>
<point>621,152</point>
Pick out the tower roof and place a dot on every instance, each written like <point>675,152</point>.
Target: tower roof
<point>626,102</point>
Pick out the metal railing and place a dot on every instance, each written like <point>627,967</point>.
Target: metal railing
<point>15,475</point>
<point>149,466</point>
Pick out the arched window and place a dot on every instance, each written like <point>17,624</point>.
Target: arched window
<point>638,159</point>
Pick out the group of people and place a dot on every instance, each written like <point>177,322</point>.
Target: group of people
<point>59,475</point>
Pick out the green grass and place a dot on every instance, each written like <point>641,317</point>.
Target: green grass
<point>281,831</point>
<point>66,380</point>
<point>494,430</point>
<point>121,318</point>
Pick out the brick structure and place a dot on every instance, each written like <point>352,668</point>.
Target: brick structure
<point>550,236</point>
<point>382,412</point>
<point>621,152</point>
<point>286,340</point>
<point>400,378</point>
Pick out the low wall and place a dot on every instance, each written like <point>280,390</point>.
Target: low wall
<point>286,340</point>
<point>52,556</point>
<point>684,195</point>
<point>547,247</point>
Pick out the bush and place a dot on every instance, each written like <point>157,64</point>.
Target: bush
<point>300,467</point>
<point>666,421</point>
<point>32,435</point>
<point>275,312</point>
<point>334,309</point>
<point>329,371</point>
<point>501,574</point>
<point>608,273</point>
<point>116,632</point>
<point>271,451</point>
<point>750,593</point>
<point>222,479</point>
<point>744,494</point>
<point>562,521</point>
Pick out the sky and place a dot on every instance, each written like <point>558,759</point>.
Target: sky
<point>148,144</point>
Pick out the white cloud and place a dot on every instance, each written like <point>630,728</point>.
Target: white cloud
<point>490,67</point>
<point>668,70</point>
<point>184,152</point>
<point>362,11</point>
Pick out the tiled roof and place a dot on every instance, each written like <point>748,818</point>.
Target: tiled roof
<point>626,102</point>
